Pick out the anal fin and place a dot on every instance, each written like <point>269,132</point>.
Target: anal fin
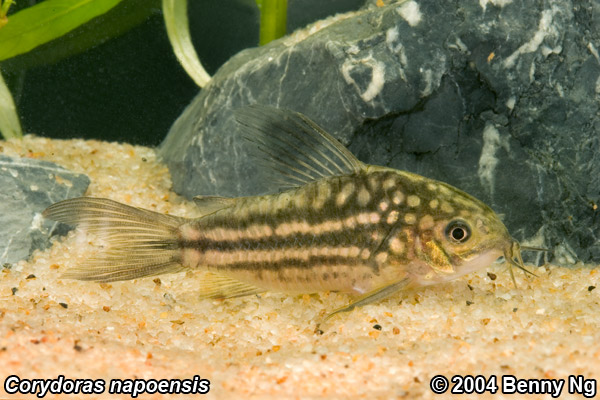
<point>216,286</point>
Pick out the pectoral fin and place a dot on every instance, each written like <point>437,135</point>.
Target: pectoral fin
<point>368,298</point>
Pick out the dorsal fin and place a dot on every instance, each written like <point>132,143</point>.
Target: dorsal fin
<point>293,147</point>
<point>210,204</point>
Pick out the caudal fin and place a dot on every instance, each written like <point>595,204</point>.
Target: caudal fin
<point>140,242</point>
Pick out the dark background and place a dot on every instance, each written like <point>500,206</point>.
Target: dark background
<point>130,87</point>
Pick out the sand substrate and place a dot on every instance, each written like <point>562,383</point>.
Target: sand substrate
<point>265,347</point>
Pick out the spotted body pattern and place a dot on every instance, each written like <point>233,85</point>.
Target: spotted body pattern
<point>334,223</point>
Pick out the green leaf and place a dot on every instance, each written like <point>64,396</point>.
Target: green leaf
<point>9,120</point>
<point>176,21</point>
<point>46,21</point>
<point>119,20</point>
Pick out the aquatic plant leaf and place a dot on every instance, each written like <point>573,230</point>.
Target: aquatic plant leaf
<point>176,21</point>
<point>9,120</point>
<point>117,21</point>
<point>46,21</point>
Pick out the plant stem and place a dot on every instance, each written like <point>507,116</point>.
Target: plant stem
<point>273,19</point>
<point>4,6</point>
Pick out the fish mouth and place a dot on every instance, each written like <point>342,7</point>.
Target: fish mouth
<point>512,255</point>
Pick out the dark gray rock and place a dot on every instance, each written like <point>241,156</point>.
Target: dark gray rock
<point>500,101</point>
<point>28,187</point>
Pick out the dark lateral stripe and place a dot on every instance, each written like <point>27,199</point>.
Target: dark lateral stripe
<point>291,262</point>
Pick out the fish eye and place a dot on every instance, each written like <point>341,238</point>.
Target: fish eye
<point>458,231</point>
